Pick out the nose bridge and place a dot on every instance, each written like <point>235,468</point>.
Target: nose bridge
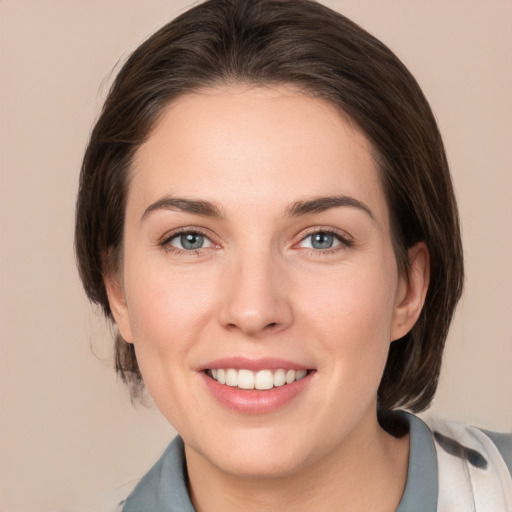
<point>255,298</point>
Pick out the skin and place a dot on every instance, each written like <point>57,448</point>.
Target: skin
<point>257,288</point>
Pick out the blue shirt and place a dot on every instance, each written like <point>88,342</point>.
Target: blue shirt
<point>164,487</point>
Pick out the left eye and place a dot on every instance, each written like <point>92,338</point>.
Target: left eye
<point>321,240</point>
<point>189,241</point>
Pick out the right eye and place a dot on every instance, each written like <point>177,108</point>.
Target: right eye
<point>188,241</point>
<point>321,240</point>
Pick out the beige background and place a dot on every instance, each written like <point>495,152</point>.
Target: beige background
<point>70,438</point>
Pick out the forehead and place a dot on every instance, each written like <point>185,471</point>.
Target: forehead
<point>262,143</point>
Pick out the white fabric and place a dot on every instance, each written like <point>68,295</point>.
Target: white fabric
<point>463,487</point>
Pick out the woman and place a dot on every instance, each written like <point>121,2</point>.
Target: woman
<point>266,213</point>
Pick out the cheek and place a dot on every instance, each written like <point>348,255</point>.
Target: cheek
<point>170,314</point>
<point>352,314</point>
<point>171,310</point>
<point>166,308</point>
<point>358,301</point>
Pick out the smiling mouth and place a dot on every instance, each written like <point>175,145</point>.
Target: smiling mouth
<point>259,380</point>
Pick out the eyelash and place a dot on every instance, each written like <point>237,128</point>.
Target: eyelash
<point>344,241</point>
<point>165,243</point>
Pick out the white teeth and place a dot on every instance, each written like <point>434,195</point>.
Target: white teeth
<point>279,378</point>
<point>261,380</point>
<point>264,380</point>
<point>245,379</point>
<point>300,374</point>
<point>232,377</point>
<point>290,376</point>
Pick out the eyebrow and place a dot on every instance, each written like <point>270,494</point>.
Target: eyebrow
<point>321,204</point>
<point>296,209</point>
<point>197,206</point>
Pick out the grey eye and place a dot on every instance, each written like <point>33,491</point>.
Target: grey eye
<point>321,240</point>
<point>190,241</point>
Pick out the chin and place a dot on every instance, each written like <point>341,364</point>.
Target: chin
<point>259,464</point>
<point>261,454</point>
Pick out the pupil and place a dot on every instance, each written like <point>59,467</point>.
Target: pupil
<point>322,241</point>
<point>191,241</point>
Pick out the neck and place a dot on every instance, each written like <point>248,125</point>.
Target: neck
<point>366,472</point>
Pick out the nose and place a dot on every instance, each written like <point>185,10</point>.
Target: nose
<point>256,298</point>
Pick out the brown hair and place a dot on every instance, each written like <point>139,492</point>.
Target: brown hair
<point>319,51</point>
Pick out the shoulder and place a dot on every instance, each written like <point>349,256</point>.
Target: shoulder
<point>503,442</point>
<point>473,467</point>
<point>163,488</point>
<point>472,443</point>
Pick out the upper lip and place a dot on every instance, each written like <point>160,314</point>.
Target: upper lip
<point>244,363</point>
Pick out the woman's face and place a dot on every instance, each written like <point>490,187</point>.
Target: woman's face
<point>257,249</point>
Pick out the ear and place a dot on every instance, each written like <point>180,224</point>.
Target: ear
<point>118,306</point>
<point>411,292</point>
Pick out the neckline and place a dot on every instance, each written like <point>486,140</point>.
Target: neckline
<point>164,488</point>
<point>420,494</point>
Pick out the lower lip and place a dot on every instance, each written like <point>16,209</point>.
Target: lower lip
<point>256,401</point>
